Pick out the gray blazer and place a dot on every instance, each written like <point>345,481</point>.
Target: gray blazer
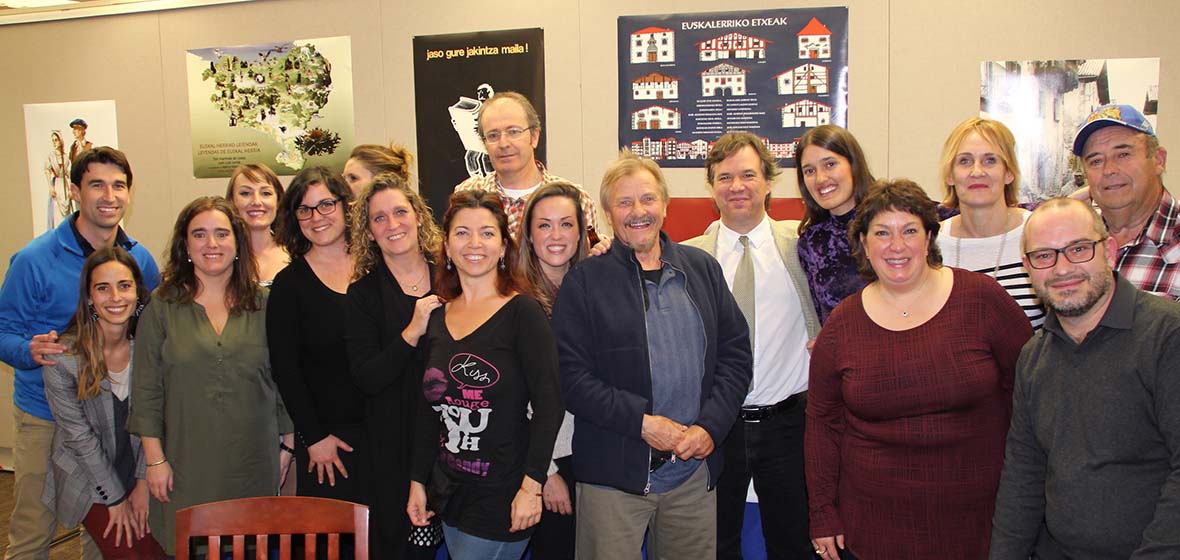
<point>81,464</point>
<point>785,240</point>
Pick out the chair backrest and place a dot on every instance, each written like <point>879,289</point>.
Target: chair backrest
<point>283,516</point>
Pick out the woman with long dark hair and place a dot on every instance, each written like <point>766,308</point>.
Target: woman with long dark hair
<point>305,326</point>
<point>203,401</point>
<point>833,177</point>
<point>97,466</point>
<point>552,240</point>
<point>491,353</point>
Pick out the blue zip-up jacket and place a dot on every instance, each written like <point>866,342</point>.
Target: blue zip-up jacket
<point>40,294</point>
<point>605,373</point>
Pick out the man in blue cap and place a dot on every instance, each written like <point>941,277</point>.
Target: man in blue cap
<point>1124,166</point>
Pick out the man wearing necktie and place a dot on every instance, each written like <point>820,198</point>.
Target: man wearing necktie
<point>761,266</point>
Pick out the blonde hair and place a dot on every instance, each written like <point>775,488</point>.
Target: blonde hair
<point>1000,138</point>
<point>365,252</point>
<point>625,165</point>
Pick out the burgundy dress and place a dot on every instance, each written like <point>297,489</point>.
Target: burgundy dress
<point>905,429</point>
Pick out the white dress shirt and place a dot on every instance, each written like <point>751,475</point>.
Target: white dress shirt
<point>781,359</point>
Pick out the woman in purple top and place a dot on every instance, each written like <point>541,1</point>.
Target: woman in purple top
<point>833,177</point>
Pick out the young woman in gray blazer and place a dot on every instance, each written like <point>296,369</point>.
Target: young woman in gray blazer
<point>97,467</point>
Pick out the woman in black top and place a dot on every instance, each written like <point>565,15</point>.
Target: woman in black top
<point>490,354</point>
<point>305,333</point>
<point>393,237</point>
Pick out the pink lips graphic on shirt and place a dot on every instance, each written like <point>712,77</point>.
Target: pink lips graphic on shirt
<point>469,370</point>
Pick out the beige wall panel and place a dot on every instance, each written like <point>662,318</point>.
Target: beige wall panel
<point>935,49</point>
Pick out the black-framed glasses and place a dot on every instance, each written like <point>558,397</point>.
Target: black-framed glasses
<point>512,133</point>
<point>1077,253</point>
<point>325,207</point>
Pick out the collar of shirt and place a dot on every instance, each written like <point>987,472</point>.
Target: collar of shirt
<point>1120,314</point>
<point>1165,221</point>
<point>121,239</point>
<point>728,240</point>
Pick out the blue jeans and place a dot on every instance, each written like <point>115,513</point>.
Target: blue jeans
<point>462,546</point>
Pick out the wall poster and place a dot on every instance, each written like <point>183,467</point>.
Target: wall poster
<point>55,133</point>
<point>453,75</point>
<point>1044,102</point>
<point>686,79</point>
<point>287,105</point>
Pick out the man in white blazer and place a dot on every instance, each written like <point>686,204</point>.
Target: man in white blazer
<point>766,444</point>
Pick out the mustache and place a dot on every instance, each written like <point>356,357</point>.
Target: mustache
<point>1067,278</point>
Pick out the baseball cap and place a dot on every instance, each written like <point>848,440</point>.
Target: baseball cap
<point>1111,115</point>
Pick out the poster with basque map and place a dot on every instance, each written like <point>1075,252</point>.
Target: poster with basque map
<point>686,79</point>
<point>288,105</point>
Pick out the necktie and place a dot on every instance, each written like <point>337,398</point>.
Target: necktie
<point>743,285</point>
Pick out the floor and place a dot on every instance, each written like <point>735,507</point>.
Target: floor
<point>65,545</point>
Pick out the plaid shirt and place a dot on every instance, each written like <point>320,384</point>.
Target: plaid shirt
<point>1152,261</point>
<point>514,207</point>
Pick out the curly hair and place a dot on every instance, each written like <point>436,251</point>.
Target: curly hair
<point>178,281</point>
<point>899,195</point>
<point>366,253</point>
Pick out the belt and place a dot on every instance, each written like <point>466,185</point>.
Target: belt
<point>757,413</point>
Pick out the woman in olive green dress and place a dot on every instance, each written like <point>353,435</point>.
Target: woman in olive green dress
<point>203,401</point>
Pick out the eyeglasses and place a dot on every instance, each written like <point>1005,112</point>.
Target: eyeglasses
<point>1077,253</point>
<point>511,134</point>
<point>325,207</point>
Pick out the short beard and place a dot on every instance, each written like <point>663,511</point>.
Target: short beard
<point>1101,287</point>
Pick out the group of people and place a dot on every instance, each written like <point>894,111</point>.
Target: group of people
<point>890,392</point>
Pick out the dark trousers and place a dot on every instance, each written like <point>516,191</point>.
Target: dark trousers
<point>771,452</point>
<point>553,538</point>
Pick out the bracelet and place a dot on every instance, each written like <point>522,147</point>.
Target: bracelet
<point>158,463</point>
<point>283,447</point>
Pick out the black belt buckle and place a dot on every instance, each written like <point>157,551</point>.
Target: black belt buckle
<point>756,414</point>
<point>659,459</point>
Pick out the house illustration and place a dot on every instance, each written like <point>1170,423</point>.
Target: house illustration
<point>732,45</point>
<point>723,79</point>
<point>655,118</point>
<point>655,86</point>
<point>815,40</point>
<point>653,44</point>
<point>806,113</point>
<point>803,79</point>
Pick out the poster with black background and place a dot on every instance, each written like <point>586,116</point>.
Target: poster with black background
<point>453,75</point>
<point>686,79</point>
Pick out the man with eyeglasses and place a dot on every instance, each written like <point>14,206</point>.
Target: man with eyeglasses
<point>1124,166</point>
<point>1092,463</point>
<point>38,298</point>
<point>511,128</point>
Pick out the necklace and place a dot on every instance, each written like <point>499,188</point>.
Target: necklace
<point>418,282</point>
<point>888,299</point>
<point>999,254</point>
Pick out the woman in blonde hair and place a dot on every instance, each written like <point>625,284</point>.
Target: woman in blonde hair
<point>87,390</point>
<point>982,180</point>
<point>369,160</point>
<point>394,238</point>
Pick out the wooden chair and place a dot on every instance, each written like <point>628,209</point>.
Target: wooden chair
<point>274,515</point>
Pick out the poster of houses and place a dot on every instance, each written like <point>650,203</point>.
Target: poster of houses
<point>686,79</point>
<point>453,75</point>
<point>55,133</point>
<point>1044,102</point>
<point>287,105</point>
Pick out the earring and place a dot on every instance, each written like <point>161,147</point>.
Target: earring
<point>189,259</point>
<point>448,263</point>
<point>501,263</point>
<point>235,258</point>
<point>138,308</point>
<point>93,313</point>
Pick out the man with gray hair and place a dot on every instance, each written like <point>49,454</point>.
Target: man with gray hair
<point>511,129</point>
<point>1124,166</point>
<point>655,362</point>
<point>1092,462</point>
